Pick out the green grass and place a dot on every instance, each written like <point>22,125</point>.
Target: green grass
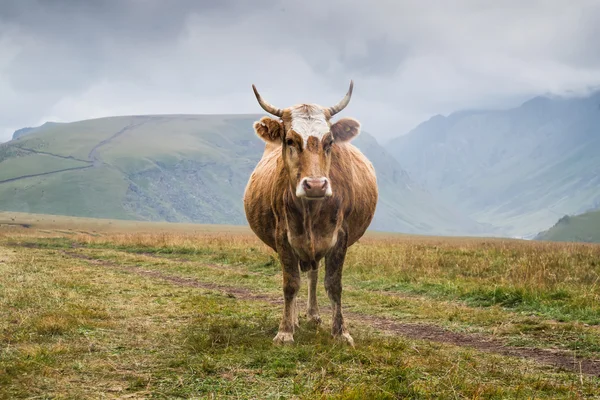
<point>74,328</point>
<point>407,279</point>
<point>513,275</point>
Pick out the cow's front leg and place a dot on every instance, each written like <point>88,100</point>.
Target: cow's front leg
<point>313,306</point>
<point>291,285</point>
<point>334,263</point>
<point>295,309</point>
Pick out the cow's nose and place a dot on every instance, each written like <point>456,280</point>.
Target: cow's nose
<point>315,183</point>
<point>315,187</point>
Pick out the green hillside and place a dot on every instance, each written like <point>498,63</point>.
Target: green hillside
<point>579,228</point>
<point>179,168</point>
<point>518,169</point>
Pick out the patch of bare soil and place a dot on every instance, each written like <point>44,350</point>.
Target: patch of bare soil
<point>556,358</point>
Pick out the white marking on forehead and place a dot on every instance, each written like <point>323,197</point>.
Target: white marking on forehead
<point>309,120</point>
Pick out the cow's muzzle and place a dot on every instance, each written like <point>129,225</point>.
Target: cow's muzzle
<point>314,188</point>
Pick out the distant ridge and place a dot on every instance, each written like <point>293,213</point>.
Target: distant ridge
<point>519,169</point>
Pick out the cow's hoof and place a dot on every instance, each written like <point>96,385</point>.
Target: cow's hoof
<point>346,338</point>
<point>283,338</point>
<point>315,319</point>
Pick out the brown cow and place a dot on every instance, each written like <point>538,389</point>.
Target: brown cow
<point>311,196</point>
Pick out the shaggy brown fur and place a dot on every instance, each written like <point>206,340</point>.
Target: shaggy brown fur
<point>304,231</point>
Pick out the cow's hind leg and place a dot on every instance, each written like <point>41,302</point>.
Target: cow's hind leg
<point>334,263</point>
<point>291,285</point>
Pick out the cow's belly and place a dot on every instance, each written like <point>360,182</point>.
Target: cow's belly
<point>315,251</point>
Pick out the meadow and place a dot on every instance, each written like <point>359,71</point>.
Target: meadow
<point>121,309</point>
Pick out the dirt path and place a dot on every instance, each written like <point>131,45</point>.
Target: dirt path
<point>52,154</point>
<point>93,158</point>
<point>93,154</point>
<point>44,173</point>
<point>556,358</point>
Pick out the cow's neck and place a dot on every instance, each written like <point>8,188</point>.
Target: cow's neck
<point>310,225</point>
<point>309,209</point>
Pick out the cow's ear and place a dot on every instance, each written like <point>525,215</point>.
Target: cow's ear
<point>345,129</point>
<point>269,130</point>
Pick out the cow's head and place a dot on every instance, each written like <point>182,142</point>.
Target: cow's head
<point>307,136</point>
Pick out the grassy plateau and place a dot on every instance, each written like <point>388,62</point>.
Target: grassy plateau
<point>122,309</point>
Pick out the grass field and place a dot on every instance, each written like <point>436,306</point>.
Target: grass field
<point>120,309</point>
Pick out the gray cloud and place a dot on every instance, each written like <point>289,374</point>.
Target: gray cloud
<point>68,60</point>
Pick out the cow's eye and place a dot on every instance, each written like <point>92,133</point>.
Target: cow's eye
<point>290,142</point>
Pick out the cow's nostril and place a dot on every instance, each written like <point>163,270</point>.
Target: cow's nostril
<point>306,184</point>
<point>324,185</point>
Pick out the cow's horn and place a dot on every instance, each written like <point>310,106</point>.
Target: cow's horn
<point>342,104</point>
<point>266,106</point>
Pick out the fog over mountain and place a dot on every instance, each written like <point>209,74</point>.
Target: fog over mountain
<point>65,60</point>
<point>520,169</point>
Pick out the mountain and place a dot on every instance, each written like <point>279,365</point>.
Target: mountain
<point>518,169</point>
<point>579,228</point>
<point>179,168</point>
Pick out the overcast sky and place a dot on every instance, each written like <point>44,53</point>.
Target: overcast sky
<point>66,60</point>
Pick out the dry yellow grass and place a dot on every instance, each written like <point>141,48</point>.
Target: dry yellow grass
<point>541,266</point>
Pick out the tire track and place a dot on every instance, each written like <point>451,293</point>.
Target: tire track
<point>418,331</point>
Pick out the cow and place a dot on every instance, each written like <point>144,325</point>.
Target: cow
<point>311,196</point>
